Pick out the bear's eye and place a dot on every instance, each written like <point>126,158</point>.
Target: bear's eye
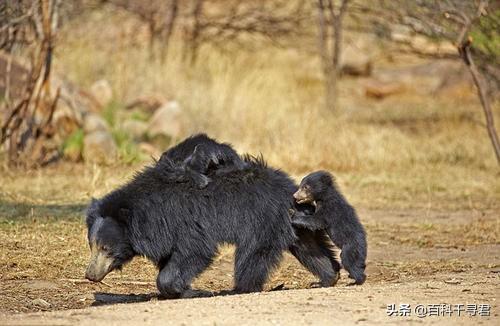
<point>105,248</point>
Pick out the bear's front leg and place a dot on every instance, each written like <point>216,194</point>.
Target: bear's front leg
<point>170,283</point>
<point>176,275</point>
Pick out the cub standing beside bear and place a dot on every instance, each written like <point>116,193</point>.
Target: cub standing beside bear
<point>335,215</point>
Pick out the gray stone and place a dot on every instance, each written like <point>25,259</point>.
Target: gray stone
<point>355,62</point>
<point>378,89</point>
<point>99,147</point>
<point>93,122</point>
<point>40,303</point>
<point>102,92</point>
<point>137,129</point>
<point>166,121</point>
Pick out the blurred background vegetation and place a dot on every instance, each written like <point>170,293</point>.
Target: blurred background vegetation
<point>379,92</point>
<point>398,99</point>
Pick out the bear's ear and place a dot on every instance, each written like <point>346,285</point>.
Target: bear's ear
<point>92,212</point>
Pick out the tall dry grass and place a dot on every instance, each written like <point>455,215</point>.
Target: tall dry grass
<point>410,148</point>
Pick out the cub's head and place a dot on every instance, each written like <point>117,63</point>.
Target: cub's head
<point>314,187</point>
<point>110,247</point>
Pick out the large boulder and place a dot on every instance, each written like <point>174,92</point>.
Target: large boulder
<point>166,121</point>
<point>149,103</point>
<point>379,89</point>
<point>99,147</point>
<point>356,62</point>
<point>431,77</point>
<point>137,129</point>
<point>102,92</point>
<point>94,122</point>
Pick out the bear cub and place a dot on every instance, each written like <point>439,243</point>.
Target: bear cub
<point>208,158</point>
<point>337,217</point>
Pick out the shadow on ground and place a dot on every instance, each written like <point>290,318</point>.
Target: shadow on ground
<point>102,298</point>
<point>18,211</point>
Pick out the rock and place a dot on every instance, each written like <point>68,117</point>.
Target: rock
<point>401,33</point>
<point>147,103</point>
<point>99,147</point>
<point>429,78</point>
<point>19,72</point>
<point>379,89</point>
<point>425,45</point>
<point>405,35</point>
<point>166,121</point>
<point>355,62</point>
<point>94,122</point>
<point>102,92</point>
<point>137,129</point>
<point>40,303</point>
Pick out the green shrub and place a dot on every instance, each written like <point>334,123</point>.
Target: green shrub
<point>72,147</point>
<point>127,148</point>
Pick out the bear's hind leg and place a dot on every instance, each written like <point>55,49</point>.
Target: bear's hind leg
<point>252,267</point>
<point>313,251</point>
<point>353,263</point>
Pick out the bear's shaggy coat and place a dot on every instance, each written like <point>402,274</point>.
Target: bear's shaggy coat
<point>179,226</point>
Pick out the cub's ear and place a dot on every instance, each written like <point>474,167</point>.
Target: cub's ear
<point>165,163</point>
<point>198,153</point>
<point>327,178</point>
<point>197,148</point>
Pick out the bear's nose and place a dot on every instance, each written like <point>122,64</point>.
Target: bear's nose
<point>89,276</point>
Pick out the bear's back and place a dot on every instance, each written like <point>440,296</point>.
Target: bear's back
<point>242,206</point>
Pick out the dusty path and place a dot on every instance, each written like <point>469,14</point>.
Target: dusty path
<point>415,257</point>
<point>343,304</point>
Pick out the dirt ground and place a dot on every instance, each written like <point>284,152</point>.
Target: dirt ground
<point>415,257</point>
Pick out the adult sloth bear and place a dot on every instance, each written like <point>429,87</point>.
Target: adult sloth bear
<point>179,226</point>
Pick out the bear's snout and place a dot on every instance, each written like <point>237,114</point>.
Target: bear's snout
<point>92,275</point>
<point>99,265</point>
<point>89,275</point>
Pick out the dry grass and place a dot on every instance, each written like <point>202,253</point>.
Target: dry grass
<point>428,151</point>
<point>476,231</point>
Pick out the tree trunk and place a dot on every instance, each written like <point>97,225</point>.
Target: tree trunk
<point>195,33</point>
<point>169,28</point>
<point>329,86</point>
<point>331,59</point>
<point>482,92</point>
